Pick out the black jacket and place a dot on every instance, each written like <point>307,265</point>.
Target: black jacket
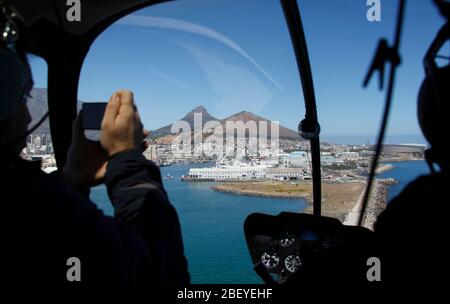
<point>45,222</point>
<point>410,236</point>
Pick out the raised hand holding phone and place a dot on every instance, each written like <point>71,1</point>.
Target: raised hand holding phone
<point>92,115</point>
<point>121,127</point>
<point>121,130</point>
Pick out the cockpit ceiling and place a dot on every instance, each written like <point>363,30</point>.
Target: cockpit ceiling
<point>94,13</point>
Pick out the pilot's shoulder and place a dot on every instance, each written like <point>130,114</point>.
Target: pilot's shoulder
<point>420,196</point>
<point>430,184</point>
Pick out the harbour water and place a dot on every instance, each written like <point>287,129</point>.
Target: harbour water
<point>404,172</point>
<point>212,221</point>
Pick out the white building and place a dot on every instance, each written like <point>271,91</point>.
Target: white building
<point>227,173</point>
<point>150,153</point>
<point>243,173</point>
<point>299,159</point>
<point>327,160</point>
<point>284,173</point>
<point>347,155</point>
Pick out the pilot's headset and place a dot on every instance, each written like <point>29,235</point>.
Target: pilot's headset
<point>15,72</point>
<point>434,102</point>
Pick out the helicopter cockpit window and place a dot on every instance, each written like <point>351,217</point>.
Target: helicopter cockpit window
<point>443,57</point>
<point>217,85</point>
<point>39,142</point>
<point>341,45</point>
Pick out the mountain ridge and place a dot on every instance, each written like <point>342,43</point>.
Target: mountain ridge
<point>37,105</point>
<point>189,118</point>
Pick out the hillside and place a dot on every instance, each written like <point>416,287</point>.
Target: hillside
<point>189,118</point>
<point>244,116</point>
<point>37,105</point>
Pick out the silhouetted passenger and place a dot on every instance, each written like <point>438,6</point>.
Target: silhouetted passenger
<point>411,234</point>
<point>47,218</point>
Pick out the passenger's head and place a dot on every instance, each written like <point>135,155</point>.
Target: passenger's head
<point>434,113</point>
<point>15,83</point>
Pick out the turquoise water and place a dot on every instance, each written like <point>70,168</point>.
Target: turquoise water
<point>212,226</point>
<point>404,172</point>
<point>212,221</point>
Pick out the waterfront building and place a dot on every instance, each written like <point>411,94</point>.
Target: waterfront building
<point>401,148</point>
<point>284,173</point>
<point>327,160</point>
<point>299,159</point>
<point>150,153</point>
<point>347,155</point>
<point>243,172</point>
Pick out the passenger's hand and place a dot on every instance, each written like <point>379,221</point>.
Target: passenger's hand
<point>86,161</point>
<point>121,126</point>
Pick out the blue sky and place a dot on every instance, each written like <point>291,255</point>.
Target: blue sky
<point>236,55</point>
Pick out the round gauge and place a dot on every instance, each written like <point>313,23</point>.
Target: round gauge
<point>287,241</point>
<point>292,263</point>
<point>270,260</point>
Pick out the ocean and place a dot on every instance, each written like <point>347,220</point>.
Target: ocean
<point>404,172</point>
<point>212,222</point>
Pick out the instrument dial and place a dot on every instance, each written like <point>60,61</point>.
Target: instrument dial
<point>270,260</point>
<point>293,263</point>
<point>287,241</point>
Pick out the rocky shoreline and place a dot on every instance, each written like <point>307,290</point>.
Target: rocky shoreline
<point>383,168</point>
<point>376,204</point>
<point>259,194</point>
<point>342,201</point>
<point>232,190</point>
<point>337,198</point>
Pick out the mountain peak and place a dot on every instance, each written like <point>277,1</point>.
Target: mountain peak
<point>199,109</point>
<point>244,112</point>
<point>189,118</point>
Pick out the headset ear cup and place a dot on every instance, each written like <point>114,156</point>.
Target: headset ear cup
<point>433,106</point>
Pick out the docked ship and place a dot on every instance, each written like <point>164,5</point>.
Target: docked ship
<point>239,171</point>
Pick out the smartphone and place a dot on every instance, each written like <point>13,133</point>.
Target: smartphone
<point>92,115</point>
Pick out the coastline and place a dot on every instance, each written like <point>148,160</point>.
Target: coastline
<point>265,189</point>
<point>383,168</point>
<point>375,206</point>
<point>339,200</point>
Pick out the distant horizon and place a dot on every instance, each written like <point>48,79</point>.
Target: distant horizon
<point>343,139</point>
<point>363,139</point>
<point>177,55</point>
